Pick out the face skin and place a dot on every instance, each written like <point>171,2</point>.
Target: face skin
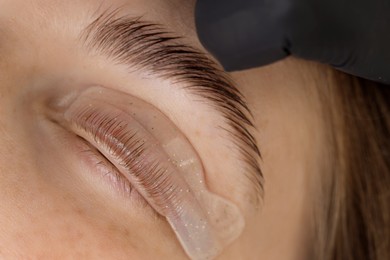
<point>51,210</point>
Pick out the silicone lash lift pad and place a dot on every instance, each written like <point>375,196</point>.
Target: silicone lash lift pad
<point>203,222</point>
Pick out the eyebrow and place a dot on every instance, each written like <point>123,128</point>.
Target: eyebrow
<point>143,45</point>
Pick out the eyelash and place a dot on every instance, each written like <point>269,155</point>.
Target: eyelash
<point>107,169</point>
<point>130,149</point>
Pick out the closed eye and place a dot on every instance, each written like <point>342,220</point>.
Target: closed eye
<point>151,153</point>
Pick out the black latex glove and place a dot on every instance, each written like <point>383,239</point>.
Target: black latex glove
<point>351,35</point>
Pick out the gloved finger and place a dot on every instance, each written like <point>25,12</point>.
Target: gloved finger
<point>242,33</point>
<point>351,35</point>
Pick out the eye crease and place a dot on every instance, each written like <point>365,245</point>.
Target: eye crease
<point>158,161</point>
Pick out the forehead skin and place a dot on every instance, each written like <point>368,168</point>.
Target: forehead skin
<point>44,220</point>
<point>45,15</point>
<point>59,23</point>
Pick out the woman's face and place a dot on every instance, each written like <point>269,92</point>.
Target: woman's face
<point>56,204</point>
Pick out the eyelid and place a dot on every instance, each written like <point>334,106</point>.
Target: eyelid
<point>159,162</point>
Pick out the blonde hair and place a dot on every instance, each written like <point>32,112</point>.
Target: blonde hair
<point>354,220</point>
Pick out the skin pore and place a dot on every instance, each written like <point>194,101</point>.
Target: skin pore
<point>51,209</point>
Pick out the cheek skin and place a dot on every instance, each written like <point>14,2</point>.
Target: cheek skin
<point>38,215</point>
<point>68,231</point>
